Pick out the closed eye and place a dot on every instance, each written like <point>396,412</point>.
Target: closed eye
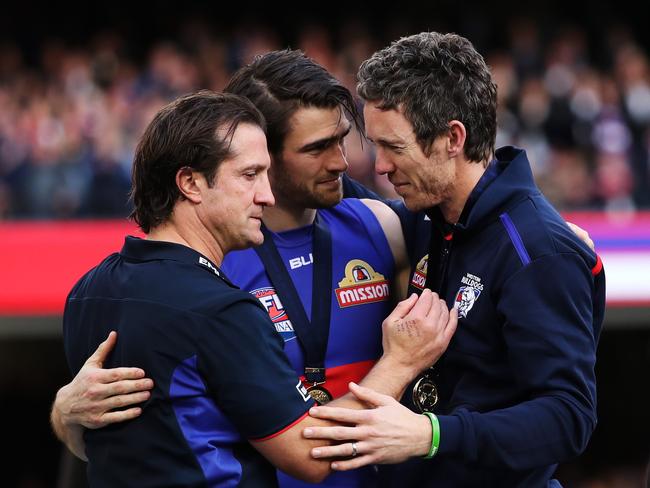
<point>391,147</point>
<point>251,172</point>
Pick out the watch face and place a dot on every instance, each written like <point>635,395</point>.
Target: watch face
<point>425,394</point>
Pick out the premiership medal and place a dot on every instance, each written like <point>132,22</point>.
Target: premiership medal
<point>425,394</point>
<point>319,394</point>
<point>312,334</point>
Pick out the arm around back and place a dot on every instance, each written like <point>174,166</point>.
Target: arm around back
<point>90,399</point>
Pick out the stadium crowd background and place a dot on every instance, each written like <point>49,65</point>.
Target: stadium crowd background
<point>78,86</point>
<point>70,115</point>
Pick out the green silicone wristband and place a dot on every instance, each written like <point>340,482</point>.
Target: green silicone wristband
<point>435,435</point>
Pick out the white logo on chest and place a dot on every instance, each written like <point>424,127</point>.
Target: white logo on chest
<point>468,293</point>
<point>208,264</point>
<point>276,311</point>
<point>301,261</point>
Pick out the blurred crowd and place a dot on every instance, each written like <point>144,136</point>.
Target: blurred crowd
<point>70,118</point>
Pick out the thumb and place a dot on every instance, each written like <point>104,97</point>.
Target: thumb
<point>371,397</point>
<point>103,350</point>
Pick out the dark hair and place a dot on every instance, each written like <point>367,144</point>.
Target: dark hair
<point>435,78</point>
<point>280,82</point>
<point>187,132</point>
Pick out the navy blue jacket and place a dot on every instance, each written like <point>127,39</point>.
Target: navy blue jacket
<point>221,376</point>
<point>517,383</point>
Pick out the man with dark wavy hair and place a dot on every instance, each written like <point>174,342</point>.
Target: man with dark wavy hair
<point>408,150</point>
<point>515,393</point>
<point>338,257</point>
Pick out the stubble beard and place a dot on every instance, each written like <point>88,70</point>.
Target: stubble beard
<point>302,196</point>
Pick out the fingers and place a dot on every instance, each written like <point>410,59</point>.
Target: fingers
<point>120,401</point>
<point>448,322</point>
<point>133,379</point>
<point>369,396</point>
<point>122,374</point>
<point>121,415</point>
<point>403,307</point>
<point>439,311</point>
<point>103,350</point>
<point>108,418</point>
<point>444,326</point>
<point>103,413</point>
<point>106,389</point>
<point>342,451</point>
<point>354,463</point>
<point>336,433</point>
<point>452,323</point>
<point>339,450</point>
<point>339,414</point>
<point>423,305</point>
<point>582,234</point>
<point>576,229</point>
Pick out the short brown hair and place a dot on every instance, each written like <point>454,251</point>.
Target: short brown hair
<point>435,78</point>
<point>184,133</point>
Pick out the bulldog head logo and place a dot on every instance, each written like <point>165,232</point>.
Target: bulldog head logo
<point>465,299</point>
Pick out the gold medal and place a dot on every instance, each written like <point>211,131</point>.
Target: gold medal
<point>425,394</point>
<point>320,394</point>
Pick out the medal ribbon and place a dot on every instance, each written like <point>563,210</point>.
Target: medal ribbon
<point>425,387</point>
<point>439,246</point>
<point>312,336</point>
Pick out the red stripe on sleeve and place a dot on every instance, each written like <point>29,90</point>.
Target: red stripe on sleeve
<point>297,421</point>
<point>599,266</point>
<point>337,382</point>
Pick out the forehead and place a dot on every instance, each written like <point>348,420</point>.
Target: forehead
<point>388,125</point>
<point>310,124</point>
<point>248,147</point>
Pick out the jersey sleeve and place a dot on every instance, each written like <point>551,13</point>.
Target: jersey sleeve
<point>408,220</point>
<point>247,372</point>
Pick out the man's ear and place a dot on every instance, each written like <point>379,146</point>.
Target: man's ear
<point>457,137</point>
<point>186,181</point>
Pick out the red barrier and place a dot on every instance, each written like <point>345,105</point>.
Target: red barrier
<point>41,261</point>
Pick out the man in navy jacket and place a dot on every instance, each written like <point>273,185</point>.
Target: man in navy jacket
<point>516,390</point>
<point>515,393</point>
<point>226,404</point>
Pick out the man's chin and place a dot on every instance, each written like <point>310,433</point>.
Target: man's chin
<point>252,240</point>
<point>256,239</point>
<point>416,204</point>
<point>327,199</point>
